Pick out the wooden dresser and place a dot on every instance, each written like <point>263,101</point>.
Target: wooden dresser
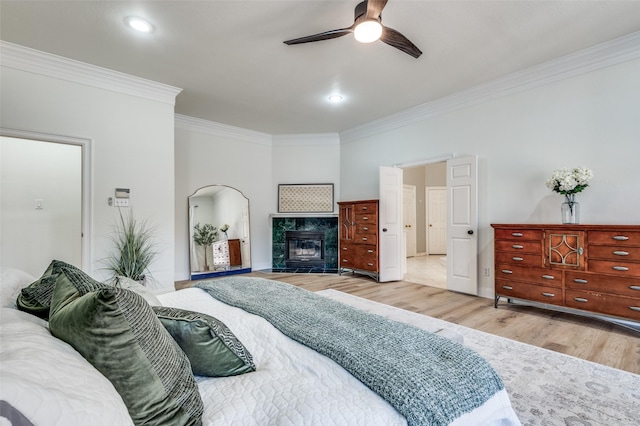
<point>226,253</point>
<point>358,237</point>
<point>586,269</point>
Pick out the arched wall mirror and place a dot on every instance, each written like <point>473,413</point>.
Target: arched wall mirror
<point>219,240</point>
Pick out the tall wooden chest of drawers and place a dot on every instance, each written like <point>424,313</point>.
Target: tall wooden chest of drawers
<point>589,269</point>
<point>358,237</point>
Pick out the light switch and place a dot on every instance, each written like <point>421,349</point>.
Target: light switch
<point>39,204</point>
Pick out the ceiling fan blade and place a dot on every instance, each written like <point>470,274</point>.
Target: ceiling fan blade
<point>397,40</point>
<point>327,35</point>
<point>374,8</point>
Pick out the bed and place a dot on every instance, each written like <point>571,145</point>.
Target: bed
<point>273,378</point>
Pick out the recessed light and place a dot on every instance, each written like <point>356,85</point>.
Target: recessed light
<point>336,98</point>
<point>138,24</point>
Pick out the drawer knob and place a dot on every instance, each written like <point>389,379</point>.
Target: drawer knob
<point>517,234</point>
<point>580,299</point>
<point>517,259</point>
<point>548,277</point>
<point>507,271</point>
<point>345,261</point>
<point>369,251</point>
<point>364,208</point>
<point>580,281</point>
<point>545,294</point>
<point>620,237</point>
<point>517,246</point>
<point>365,228</point>
<point>365,218</point>
<point>635,308</point>
<point>364,238</point>
<point>344,248</point>
<point>370,264</point>
<point>620,268</point>
<point>621,253</point>
<point>507,287</point>
<point>635,287</point>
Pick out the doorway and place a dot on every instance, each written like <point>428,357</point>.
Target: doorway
<point>428,266</point>
<point>44,202</point>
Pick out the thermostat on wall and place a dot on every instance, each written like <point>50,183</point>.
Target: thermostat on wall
<point>122,192</point>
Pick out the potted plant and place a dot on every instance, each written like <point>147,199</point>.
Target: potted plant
<point>204,236</point>
<point>134,249</point>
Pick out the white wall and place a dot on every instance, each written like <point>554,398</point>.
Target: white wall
<point>209,153</point>
<point>132,147</point>
<point>589,120</point>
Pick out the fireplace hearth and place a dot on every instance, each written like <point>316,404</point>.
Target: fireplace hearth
<point>305,244</point>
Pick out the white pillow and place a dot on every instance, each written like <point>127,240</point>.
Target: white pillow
<point>136,287</point>
<point>48,381</point>
<point>11,282</point>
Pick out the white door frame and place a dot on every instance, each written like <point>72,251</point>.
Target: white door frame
<point>85,144</point>
<point>428,218</point>
<point>410,230</point>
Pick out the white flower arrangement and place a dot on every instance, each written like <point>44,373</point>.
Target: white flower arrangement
<point>568,181</point>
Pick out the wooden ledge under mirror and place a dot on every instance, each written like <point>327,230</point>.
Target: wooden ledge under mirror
<point>219,239</point>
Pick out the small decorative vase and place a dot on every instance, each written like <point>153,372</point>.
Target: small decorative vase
<point>570,210</point>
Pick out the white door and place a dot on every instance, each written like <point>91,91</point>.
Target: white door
<point>392,246</point>
<point>436,219</point>
<point>462,224</point>
<point>409,218</point>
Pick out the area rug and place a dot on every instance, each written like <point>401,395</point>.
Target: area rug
<point>546,387</point>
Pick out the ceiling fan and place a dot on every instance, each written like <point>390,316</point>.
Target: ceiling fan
<point>367,27</point>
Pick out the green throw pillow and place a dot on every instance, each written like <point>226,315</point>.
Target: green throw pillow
<point>212,348</point>
<point>36,298</point>
<point>118,333</point>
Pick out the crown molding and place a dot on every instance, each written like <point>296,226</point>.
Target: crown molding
<point>37,62</point>
<point>603,55</point>
<point>307,139</point>
<point>200,125</point>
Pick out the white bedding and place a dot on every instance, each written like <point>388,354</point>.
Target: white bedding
<point>292,384</point>
<point>50,383</point>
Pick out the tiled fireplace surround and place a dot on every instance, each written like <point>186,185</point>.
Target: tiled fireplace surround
<point>327,224</point>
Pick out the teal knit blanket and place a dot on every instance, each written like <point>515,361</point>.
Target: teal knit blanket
<point>429,379</point>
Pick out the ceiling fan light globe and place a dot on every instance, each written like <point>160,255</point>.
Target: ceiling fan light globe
<point>368,31</point>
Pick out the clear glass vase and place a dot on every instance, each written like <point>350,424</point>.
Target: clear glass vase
<point>570,210</point>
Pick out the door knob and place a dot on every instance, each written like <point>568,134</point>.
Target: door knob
<point>470,232</point>
<point>384,229</point>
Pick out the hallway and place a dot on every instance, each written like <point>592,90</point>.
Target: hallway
<point>430,270</point>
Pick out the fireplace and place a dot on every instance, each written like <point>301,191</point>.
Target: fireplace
<point>304,249</point>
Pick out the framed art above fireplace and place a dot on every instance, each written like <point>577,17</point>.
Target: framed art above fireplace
<point>305,198</point>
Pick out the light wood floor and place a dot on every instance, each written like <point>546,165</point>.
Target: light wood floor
<point>581,337</point>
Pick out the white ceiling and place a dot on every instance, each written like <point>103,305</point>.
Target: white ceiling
<point>230,60</point>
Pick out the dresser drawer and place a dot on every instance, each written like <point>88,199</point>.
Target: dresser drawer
<point>365,239</point>
<point>518,234</point>
<point>627,269</point>
<point>519,258</point>
<point>359,256</point>
<point>541,276</point>
<point>615,253</point>
<point>366,228</point>
<point>536,293</point>
<point>367,218</point>
<point>616,238</point>
<point>604,303</point>
<point>623,286</point>
<point>362,208</point>
<point>519,246</point>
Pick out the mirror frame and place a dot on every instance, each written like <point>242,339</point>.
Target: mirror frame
<point>244,241</point>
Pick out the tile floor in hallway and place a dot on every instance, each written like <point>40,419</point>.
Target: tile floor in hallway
<point>428,270</point>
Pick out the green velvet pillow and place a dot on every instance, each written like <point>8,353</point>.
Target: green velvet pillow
<point>36,298</point>
<point>212,348</point>
<point>118,333</point>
